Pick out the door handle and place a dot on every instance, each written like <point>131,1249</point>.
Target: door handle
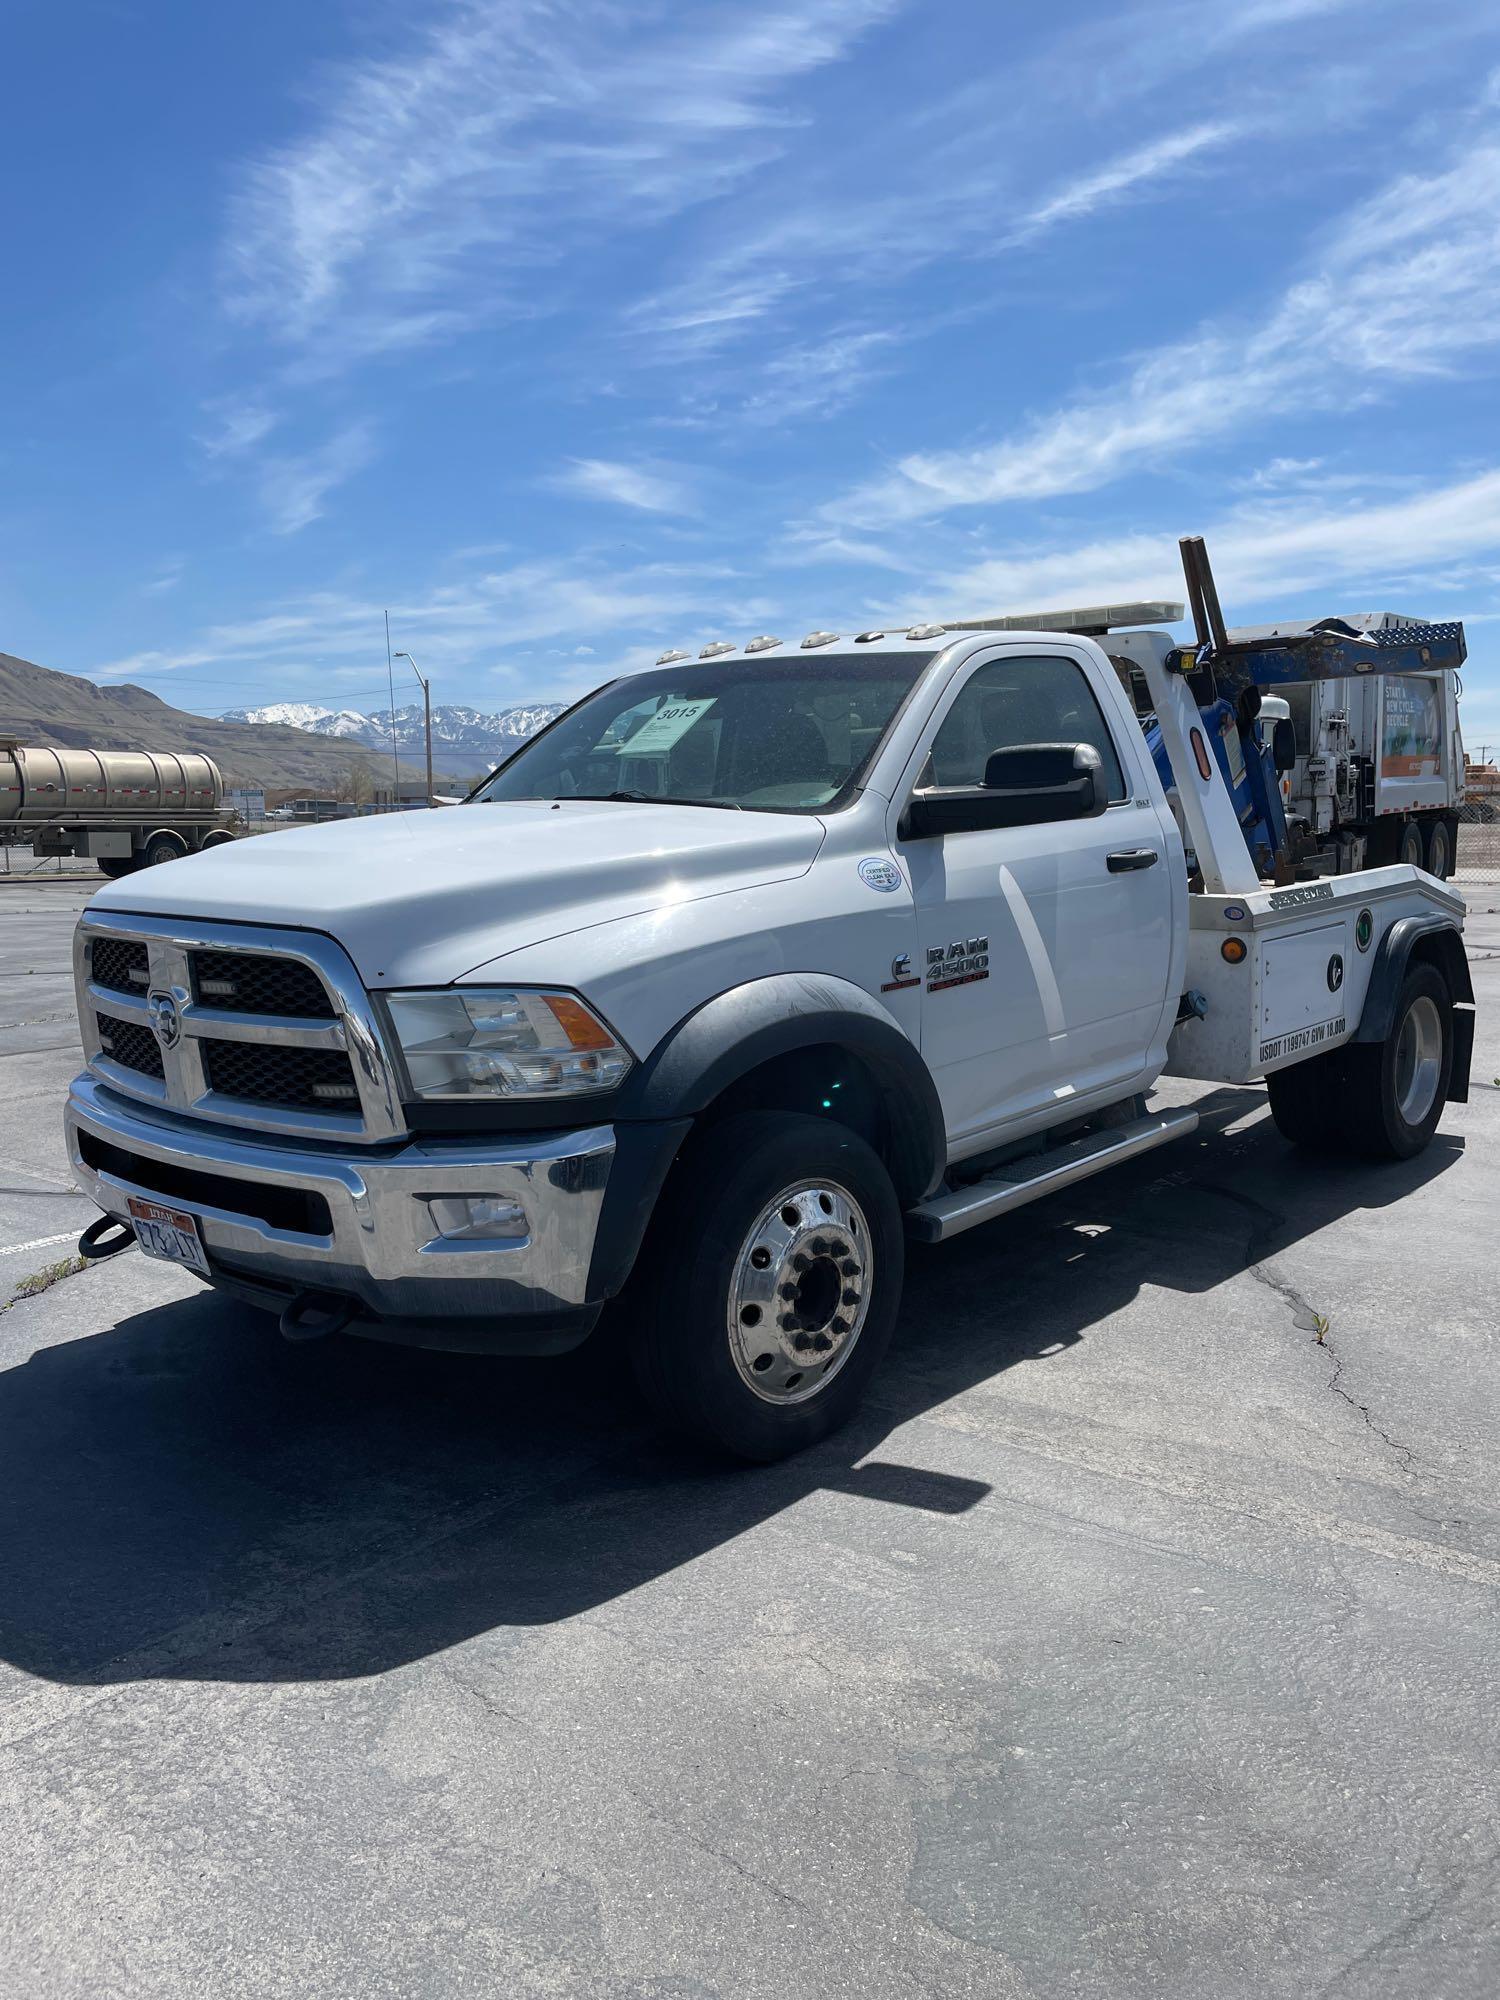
<point>1125,858</point>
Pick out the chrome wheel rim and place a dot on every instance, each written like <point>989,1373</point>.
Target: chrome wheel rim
<point>800,1292</point>
<point>1419,1059</point>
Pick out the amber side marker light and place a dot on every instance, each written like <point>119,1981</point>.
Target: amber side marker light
<point>1233,949</point>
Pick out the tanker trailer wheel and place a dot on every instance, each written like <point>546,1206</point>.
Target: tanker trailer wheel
<point>220,837</point>
<point>116,865</point>
<point>770,1286</point>
<point>164,846</point>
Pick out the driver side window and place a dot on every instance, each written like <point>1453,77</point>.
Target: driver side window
<point>1014,701</point>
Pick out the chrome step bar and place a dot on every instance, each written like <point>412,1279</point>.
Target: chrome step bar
<point>1010,1186</point>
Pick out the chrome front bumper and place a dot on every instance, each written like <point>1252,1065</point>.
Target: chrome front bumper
<point>383,1247</point>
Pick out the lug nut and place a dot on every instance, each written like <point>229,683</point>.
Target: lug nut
<point>820,1246</point>
<point>804,1341</point>
<point>840,1249</point>
<point>849,1298</point>
<point>800,1263</point>
<point>788,1291</point>
<point>849,1268</point>
<point>839,1325</point>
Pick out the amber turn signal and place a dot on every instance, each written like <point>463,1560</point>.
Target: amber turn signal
<point>1233,949</point>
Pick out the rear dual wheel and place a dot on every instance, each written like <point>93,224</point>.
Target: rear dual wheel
<point>771,1284</point>
<point>1381,1099</point>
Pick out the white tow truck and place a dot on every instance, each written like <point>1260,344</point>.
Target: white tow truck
<point>741,971</point>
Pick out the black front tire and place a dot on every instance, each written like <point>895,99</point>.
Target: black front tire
<point>682,1350</point>
<point>1409,849</point>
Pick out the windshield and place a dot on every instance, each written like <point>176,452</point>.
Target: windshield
<point>767,736</point>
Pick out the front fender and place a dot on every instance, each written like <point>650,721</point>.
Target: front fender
<point>739,1030</point>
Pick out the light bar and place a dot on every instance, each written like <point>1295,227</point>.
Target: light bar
<point>1089,620</point>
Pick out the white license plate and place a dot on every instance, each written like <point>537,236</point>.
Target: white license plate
<point>168,1233</point>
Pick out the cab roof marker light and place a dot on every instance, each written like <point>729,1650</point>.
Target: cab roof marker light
<point>819,639</point>
<point>761,645</point>
<point>667,659</point>
<point>867,638</point>
<point>715,647</point>
<point>927,632</point>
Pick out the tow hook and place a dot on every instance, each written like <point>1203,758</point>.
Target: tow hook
<point>97,1242</point>
<point>314,1315</point>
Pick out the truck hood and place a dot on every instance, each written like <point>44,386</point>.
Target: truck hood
<point>421,898</point>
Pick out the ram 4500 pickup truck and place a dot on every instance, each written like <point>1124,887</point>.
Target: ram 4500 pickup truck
<point>743,970</point>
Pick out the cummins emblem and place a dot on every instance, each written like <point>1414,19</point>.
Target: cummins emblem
<point>957,964</point>
<point>165,1019</point>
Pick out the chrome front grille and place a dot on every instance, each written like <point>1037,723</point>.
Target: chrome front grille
<point>265,1029</point>
<point>261,1073</point>
<point>130,1044</point>
<point>252,982</point>
<point>120,965</point>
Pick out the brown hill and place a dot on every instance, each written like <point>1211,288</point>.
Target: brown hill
<point>41,706</point>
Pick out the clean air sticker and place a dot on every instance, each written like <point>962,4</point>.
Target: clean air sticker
<point>882,875</point>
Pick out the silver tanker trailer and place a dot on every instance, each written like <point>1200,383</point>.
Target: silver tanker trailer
<point>124,809</point>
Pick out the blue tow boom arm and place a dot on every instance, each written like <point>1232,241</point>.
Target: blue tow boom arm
<point>1226,673</point>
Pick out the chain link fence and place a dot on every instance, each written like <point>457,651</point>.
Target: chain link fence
<point>1476,873</point>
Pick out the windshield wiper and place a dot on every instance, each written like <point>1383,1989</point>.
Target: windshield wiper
<point>655,799</point>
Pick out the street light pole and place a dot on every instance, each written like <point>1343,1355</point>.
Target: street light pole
<point>426,715</point>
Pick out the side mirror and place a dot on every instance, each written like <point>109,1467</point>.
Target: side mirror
<point>1027,785</point>
<point>1283,745</point>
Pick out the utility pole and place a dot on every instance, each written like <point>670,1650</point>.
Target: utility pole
<point>390,675</point>
<point>426,714</point>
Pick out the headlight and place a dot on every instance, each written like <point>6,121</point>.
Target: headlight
<point>477,1042</point>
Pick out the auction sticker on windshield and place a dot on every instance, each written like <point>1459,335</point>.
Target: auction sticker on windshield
<point>666,727</point>
<point>168,1233</point>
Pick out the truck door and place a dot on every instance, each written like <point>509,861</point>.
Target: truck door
<point>1046,950</point>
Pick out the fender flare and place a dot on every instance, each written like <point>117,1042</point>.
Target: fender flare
<point>1442,943</point>
<point>737,1031</point>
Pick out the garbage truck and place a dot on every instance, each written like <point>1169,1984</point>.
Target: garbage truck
<point>741,973</point>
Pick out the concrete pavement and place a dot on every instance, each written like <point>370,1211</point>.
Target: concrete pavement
<point>1138,1640</point>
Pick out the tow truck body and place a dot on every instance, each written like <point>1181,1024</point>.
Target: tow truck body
<point>738,972</point>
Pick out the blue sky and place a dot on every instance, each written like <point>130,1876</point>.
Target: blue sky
<point>574,329</point>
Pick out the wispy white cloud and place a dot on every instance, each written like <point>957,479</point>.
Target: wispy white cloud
<point>167,577</point>
<point>456,168</point>
<point>1101,185</point>
<point>293,488</point>
<point>1408,285</point>
<point>457,627</point>
<point>651,489</point>
<point>237,426</point>
<point>1439,539</point>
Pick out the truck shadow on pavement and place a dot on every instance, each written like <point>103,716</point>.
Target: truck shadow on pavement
<point>182,1494</point>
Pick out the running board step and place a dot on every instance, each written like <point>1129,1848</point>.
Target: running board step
<point>948,1215</point>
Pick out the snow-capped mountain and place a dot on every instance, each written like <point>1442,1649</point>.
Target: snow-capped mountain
<point>474,735</point>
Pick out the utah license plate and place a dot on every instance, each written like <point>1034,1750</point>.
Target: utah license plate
<point>168,1233</point>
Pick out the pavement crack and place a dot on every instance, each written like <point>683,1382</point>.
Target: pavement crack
<point>1305,1316</point>
<point>1404,1452</point>
<point>37,1282</point>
